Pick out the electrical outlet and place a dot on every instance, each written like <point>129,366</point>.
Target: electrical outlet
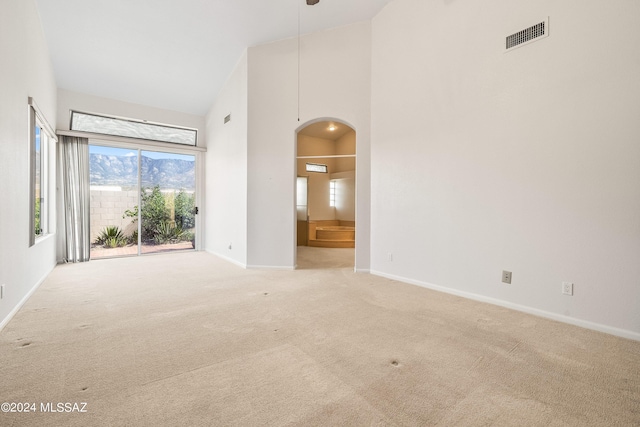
<point>567,288</point>
<point>389,256</point>
<point>506,277</point>
<point>1,291</point>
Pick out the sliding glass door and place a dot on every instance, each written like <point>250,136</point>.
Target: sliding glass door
<point>141,201</point>
<point>167,201</point>
<point>113,174</point>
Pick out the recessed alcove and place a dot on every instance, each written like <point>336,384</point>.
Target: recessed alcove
<point>326,178</point>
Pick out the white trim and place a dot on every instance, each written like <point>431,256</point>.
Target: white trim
<point>201,195</point>
<point>624,333</point>
<point>226,258</point>
<point>45,123</point>
<point>22,302</point>
<point>139,121</point>
<point>130,119</point>
<point>270,267</point>
<point>47,138</point>
<point>43,238</point>
<point>127,142</point>
<point>362,270</point>
<point>329,156</point>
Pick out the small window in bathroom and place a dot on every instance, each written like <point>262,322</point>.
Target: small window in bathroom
<point>315,167</point>
<point>332,193</point>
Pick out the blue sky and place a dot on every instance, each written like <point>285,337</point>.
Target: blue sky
<point>110,151</point>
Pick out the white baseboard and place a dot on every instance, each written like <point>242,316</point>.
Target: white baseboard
<point>252,267</point>
<point>270,267</point>
<point>226,258</point>
<point>624,333</point>
<point>362,270</point>
<point>22,302</point>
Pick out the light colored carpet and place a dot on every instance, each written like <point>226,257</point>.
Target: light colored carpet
<point>322,258</point>
<point>188,339</point>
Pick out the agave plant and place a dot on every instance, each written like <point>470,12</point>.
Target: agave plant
<point>111,237</point>
<point>167,232</point>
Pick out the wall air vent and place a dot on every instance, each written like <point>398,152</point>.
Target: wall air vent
<point>528,35</point>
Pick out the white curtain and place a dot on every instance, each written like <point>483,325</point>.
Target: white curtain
<point>73,167</point>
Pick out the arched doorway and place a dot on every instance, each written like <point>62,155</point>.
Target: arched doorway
<point>325,195</point>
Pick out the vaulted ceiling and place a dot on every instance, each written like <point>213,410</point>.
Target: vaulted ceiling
<point>174,54</point>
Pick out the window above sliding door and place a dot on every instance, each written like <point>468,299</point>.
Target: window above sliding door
<point>132,128</point>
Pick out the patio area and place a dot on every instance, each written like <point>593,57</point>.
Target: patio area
<point>101,252</point>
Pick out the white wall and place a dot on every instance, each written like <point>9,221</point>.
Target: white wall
<point>346,145</point>
<point>26,71</point>
<point>527,161</point>
<point>335,83</point>
<point>345,197</point>
<point>69,100</point>
<point>346,185</point>
<point>318,198</point>
<point>226,164</point>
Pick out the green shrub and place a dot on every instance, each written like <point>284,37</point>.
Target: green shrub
<point>133,238</point>
<point>37,218</point>
<point>184,206</point>
<point>157,225</point>
<point>154,212</point>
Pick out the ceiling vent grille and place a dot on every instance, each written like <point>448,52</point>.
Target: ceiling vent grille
<point>528,35</point>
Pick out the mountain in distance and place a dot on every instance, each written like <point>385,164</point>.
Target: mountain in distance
<point>123,171</point>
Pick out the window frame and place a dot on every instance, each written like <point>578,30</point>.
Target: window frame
<point>46,137</point>
<point>332,193</point>
<point>140,145</point>
<point>316,168</point>
<point>142,124</point>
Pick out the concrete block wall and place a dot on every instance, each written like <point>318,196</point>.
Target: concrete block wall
<point>107,209</point>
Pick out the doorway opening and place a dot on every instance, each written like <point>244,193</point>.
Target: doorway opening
<point>326,195</point>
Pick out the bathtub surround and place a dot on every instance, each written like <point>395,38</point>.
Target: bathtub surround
<point>332,234</point>
<point>230,346</point>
